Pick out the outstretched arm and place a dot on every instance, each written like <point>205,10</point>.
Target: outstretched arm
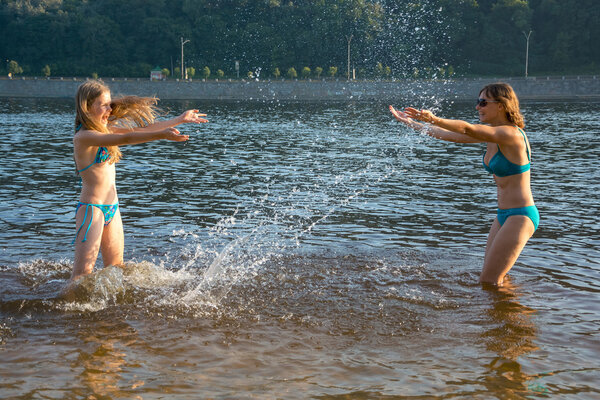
<point>93,138</point>
<point>480,133</point>
<point>434,131</point>
<point>189,116</point>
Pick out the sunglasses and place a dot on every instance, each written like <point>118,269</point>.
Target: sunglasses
<point>484,102</point>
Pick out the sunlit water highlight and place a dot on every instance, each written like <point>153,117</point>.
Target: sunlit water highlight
<point>299,250</point>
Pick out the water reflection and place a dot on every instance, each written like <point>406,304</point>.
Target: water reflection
<point>512,337</point>
<point>104,362</point>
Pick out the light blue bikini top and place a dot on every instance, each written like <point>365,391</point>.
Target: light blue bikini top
<point>501,166</point>
<point>102,155</point>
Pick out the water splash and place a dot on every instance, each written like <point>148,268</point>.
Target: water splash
<point>279,226</point>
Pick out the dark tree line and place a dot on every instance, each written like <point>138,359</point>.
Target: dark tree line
<point>388,38</point>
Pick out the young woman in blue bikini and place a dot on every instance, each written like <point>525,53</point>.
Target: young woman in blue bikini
<point>507,157</point>
<point>101,125</point>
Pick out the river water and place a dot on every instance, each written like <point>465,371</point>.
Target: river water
<point>300,250</point>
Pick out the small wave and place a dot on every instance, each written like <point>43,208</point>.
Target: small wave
<point>5,332</point>
<point>41,286</point>
<point>131,283</point>
<point>32,286</point>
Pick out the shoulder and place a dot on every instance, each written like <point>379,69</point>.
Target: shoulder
<point>88,133</point>
<point>509,134</point>
<point>83,136</point>
<point>507,129</point>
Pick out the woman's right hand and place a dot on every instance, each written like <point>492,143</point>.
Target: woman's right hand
<point>174,135</point>
<point>400,116</point>
<point>405,119</point>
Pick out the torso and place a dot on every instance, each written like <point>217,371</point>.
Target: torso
<point>97,181</point>
<point>513,190</point>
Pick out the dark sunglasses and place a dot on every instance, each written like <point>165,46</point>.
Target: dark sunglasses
<point>484,102</point>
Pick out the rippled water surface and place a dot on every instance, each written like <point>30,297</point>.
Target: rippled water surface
<point>300,250</point>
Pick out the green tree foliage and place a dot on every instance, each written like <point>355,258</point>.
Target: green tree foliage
<point>122,38</point>
<point>318,72</point>
<point>332,71</point>
<point>276,73</point>
<point>379,70</point>
<point>190,72</point>
<point>305,72</point>
<point>220,73</point>
<point>205,72</point>
<point>46,70</point>
<point>14,68</point>
<point>441,73</point>
<point>291,73</point>
<point>165,72</point>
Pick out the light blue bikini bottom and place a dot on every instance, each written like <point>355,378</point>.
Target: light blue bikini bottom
<point>108,210</point>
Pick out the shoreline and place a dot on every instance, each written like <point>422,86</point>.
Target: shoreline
<point>532,88</point>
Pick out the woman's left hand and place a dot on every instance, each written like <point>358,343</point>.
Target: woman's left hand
<point>419,115</point>
<point>174,135</point>
<point>192,116</point>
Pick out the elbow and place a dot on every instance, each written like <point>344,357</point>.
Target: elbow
<point>469,130</point>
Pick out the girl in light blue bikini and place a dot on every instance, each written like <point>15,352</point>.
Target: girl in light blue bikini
<point>101,125</point>
<point>507,158</point>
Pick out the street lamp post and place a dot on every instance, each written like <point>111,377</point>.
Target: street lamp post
<point>182,64</point>
<point>349,38</point>
<point>527,51</point>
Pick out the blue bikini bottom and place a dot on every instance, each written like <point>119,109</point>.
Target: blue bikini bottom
<point>530,212</point>
<point>108,210</point>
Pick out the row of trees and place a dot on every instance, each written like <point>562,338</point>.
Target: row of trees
<point>191,72</point>
<point>15,69</point>
<point>385,38</point>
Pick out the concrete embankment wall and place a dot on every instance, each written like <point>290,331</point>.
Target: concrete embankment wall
<point>546,88</point>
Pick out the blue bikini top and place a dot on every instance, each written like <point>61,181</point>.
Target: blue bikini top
<point>501,166</point>
<point>102,155</point>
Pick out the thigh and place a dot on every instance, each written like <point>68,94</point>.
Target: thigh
<point>113,241</point>
<point>86,252</point>
<point>491,236</point>
<point>505,248</point>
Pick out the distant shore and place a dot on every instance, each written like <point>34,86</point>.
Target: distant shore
<point>532,88</point>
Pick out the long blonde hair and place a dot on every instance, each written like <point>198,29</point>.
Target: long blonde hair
<point>505,95</point>
<point>127,111</point>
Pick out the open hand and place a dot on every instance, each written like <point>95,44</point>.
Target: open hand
<point>192,116</point>
<point>174,135</point>
<point>400,116</point>
<point>419,115</point>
